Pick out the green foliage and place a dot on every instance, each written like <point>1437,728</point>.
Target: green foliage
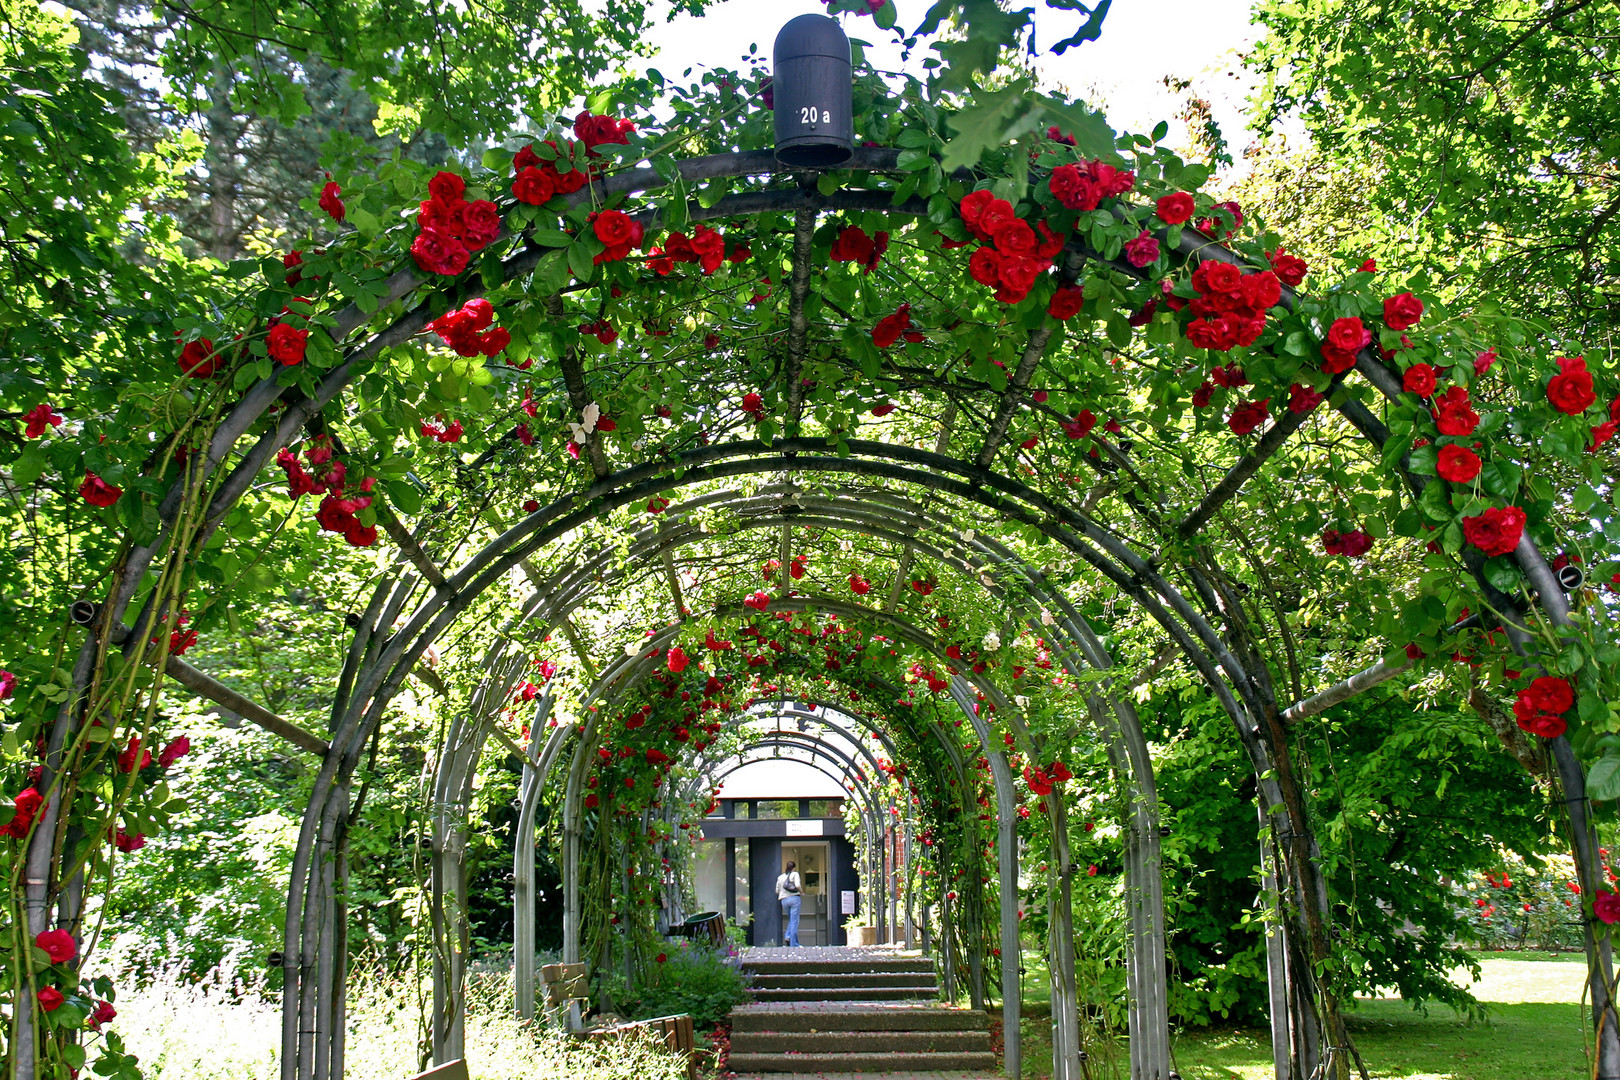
<point>692,978</point>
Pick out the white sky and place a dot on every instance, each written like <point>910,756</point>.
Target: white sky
<point>1142,42</point>
<point>780,779</point>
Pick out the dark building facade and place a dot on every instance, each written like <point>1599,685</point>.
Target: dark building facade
<point>744,849</point>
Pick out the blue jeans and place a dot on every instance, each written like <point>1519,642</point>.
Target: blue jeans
<point>790,919</point>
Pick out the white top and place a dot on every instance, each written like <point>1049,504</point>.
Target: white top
<point>782,892</point>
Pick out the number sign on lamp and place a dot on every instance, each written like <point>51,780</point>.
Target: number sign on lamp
<point>812,82</point>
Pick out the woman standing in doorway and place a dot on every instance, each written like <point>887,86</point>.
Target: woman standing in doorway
<point>787,892</point>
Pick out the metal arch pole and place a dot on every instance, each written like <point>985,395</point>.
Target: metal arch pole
<point>534,779</point>
<point>1007,867</point>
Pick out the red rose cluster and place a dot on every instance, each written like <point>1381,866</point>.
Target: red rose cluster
<point>1211,224</point>
<point>601,329</point>
<point>1248,416</point>
<point>536,181</point>
<point>1041,781</point>
<point>1352,545</point>
<point>1496,531</point>
<point>1230,308</point>
<point>441,432</point>
<point>1015,255</point>
<point>336,513</point>
<point>705,246</point>
<point>619,232</point>
<point>1346,337</point>
<point>594,131</point>
<point>1086,185</point>
<point>467,330</point>
<point>853,245</point>
<point>452,228</point>
<point>1540,707</point>
<point>892,327</point>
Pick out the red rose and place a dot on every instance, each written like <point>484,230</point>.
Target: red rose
<point>852,245</point>
<point>1213,276</point>
<point>436,252</point>
<point>286,344</point>
<point>1066,302</point>
<point>25,806</point>
<point>1403,311</point>
<point>1245,418</point>
<point>889,329</point>
<point>176,750</point>
<point>330,202</point>
<point>1348,335</point>
<point>104,1014</point>
<point>1551,694</point>
<point>614,227</point>
<point>1073,189</point>
<point>50,999</point>
<point>1496,531</point>
<point>759,601</point>
<point>1015,237</point>
<point>480,224</point>
<point>1601,434</point>
<point>1571,391</point>
<point>1420,380</point>
<point>1453,414</point>
<point>1018,276</point>
<point>197,360</point>
<point>1336,360</point>
<point>1142,251</point>
<point>97,492</point>
<point>58,944</point>
<point>1302,399</point>
<point>859,585</point>
<point>676,659</point>
<point>1483,362</point>
<point>1175,208</point>
<point>972,208</point>
<point>985,266</point>
<point>1081,425</point>
<point>533,187</point>
<point>1458,464</point>
<point>1290,269</point>
<point>1606,906</point>
<point>447,187</point>
<point>445,217</point>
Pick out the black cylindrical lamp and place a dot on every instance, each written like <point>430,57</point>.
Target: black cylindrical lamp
<point>812,80</point>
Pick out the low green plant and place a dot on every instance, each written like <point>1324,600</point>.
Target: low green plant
<point>692,978</point>
<point>217,1028</point>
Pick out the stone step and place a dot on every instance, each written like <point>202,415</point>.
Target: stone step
<point>851,1042</point>
<point>844,993</point>
<point>811,980</point>
<point>854,965</point>
<point>870,1062</point>
<point>851,1016</point>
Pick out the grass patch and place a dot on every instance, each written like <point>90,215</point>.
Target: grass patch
<point>1536,1030</point>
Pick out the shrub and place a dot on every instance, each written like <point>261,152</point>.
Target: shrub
<point>694,978</point>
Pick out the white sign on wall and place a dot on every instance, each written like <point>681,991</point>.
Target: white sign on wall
<point>846,901</point>
<point>810,827</point>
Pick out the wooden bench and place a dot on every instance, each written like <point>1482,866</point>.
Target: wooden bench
<point>564,988</point>
<point>450,1070</point>
<point>674,1032</point>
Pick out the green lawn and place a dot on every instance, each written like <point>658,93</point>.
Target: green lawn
<point>1534,1032</point>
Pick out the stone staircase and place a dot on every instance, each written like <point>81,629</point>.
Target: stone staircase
<point>837,1011</point>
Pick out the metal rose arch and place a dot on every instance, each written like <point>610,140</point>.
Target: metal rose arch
<point>634,547</point>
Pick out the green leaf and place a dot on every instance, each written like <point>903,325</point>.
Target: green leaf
<point>1503,573</point>
<point>1093,138</point>
<point>551,273</point>
<point>554,238</point>
<point>984,124</point>
<point>1603,780</point>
